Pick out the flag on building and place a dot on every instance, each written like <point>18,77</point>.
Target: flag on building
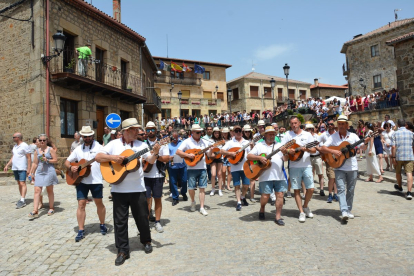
<point>175,67</point>
<point>186,68</point>
<point>164,66</point>
<point>199,69</point>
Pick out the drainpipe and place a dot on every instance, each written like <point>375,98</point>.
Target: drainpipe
<point>47,71</point>
<point>142,88</point>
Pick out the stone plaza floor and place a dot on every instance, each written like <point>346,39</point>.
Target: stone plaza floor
<point>226,242</point>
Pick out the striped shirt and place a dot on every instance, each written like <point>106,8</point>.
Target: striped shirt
<point>403,140</point>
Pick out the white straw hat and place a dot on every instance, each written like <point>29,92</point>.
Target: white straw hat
<point>86,131</point>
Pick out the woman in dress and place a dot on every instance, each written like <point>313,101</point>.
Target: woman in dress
<point>44,174</point>
<point>216,166</point>
<point>352,103</point>
<point>386,141</point>
<point>226,164</point>
<point>372,161</point>
<point>379,150</point>
<point>248,135</point>
<point>347,110</point>
<point>360,104</point>
<point>366,102</point>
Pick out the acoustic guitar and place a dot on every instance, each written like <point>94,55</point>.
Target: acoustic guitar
<point>253,169</point>
<point>115,173</point>
<point>216,155</point>
<point>298,153</point>
<point>348,150</point>
<point>84,169</point>
<point>240,151</point>
<point>199,153</point>
<point>146,167</point>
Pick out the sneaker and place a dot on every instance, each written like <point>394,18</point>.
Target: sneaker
<point>345,216</point>
<point>244,201</point>
<point>81,235</point>
<point>261,216</point>
<point>409,196</point>
<point>20,204</point>
<point>335,197</point>
<point>171,195</point>
<point>193,206</point>
<point>203,212</point>
<point>104,230</point>
<point>351,216</point>
<point>288,194</point>
<point>158,227</point>
<point>273,202</point>
<point>212,192</point>
<point>302,217</point>
<point>398,188</point>
<point>185,197</point>
<point>220,193</point>
<point>329,198</point>
<point>62,174</point>
<point>322,193</point>
<point>308,212</point>
<point>238,207</point>
<point>252,200</point>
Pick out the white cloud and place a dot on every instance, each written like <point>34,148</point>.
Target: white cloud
<point>271,51</point>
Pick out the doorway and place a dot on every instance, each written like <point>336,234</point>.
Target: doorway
<point>101,123</point>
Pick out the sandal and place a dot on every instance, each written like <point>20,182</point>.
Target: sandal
<point>50,212</point>
<point>33,215</point>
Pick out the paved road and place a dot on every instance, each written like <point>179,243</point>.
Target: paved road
<point>226,242</point>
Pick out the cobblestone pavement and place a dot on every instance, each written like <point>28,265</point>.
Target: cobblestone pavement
<point>226,242</point>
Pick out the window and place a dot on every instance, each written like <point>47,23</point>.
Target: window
<point>268,93</point>
<point>177,75</point>
<point>124,75</point>
<point>185,94</point>
<point>254,91</point>
<point>99,67</point>
<point>124,115</point>
<point>196,112</point>
<point>292,94</point>
<point>68,118</point>
<point>207,95</point>
<point>206,75</point>
<point>375,50</point>
<point>214,112</point>
<point>220,95</point>
<point>302,94</point>
<point>377,81</point>
<point>235,94</point>
<point>165,113</point>
<point>280,94</point>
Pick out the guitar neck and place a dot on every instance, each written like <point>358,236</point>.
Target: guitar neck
<point>138,154</point>
<point>362,140</point>
<point>87,163</point>
<point>272,153</point>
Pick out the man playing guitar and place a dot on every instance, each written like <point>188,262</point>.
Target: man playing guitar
<point>300,170</point>
<point>237,172</point>
<point>347,174</point>
<point>130,192</point>
<point>93,182</point>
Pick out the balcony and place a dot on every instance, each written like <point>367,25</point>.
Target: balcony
<point>194,102</point>
<point>345,70</point>
<point>153,103</point>
<point>184,81</point>
<point>98,77</point>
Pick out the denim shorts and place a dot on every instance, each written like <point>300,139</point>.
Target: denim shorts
<point>195,176</point>
<point>82,190</point>
<point>226,162</point>
<point>298,174</point>
<point>154,186</point>
<point>239,175</point>
<point>20,175</point>
<point>267,187</point>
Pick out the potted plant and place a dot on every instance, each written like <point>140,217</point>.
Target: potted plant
<point>129,89</point>
<point>114,68</point>
<point>70,67</point>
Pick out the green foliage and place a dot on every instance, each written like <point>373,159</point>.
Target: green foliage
<point>290,112</point>
<point>300,117</point>
<point>72,64</point>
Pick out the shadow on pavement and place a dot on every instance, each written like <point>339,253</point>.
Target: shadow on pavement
<point>135,245</point>
<point>92,228</point>
<point>328,213</point>
<point>394,193</point>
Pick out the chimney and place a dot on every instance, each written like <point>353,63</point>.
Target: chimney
<point>117,10</point>
<point>316,82</point>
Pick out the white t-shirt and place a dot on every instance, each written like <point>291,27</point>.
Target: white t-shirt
<point>233,143</point>
<point>302,139</point>
<point>350,164</point>
<point>387,137</point>
<point>19,157</point>
<point>190,143</point>
<point>83,152</point>
<point>275,171</point>
<point>154,172</point>
<point>324,137</point>
<point>389,121</point>
<point>134,181</point>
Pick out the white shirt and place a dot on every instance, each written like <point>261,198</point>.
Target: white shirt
<point>154,172</point>
<point>19,157</point>
<point>389,121</point>
<point>350,164</point>
<point>190,143</point>
<point>324,137</point>
<point>302,139</point>
<point>387,137</point>
<point>134,181</point>
<point>83,152</point>
<point>275,171</point>
<point>233,143</point>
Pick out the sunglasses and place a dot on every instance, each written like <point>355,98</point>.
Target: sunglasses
<point>238,130</point>
<point>42,140</point>
<point>140,134</point>
<point>331,124</point>
<point>149,130</point>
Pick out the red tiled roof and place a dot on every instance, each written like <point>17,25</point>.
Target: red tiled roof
<point>389,26</point>
<point>259,76</point>
<point>323,85</point>
<point>192,61</point>
<point>400,38</point>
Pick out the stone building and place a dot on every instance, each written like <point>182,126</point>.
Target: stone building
<point>324,91</point>
<point>201,93</point>
<point>253,92</point>
<point>57,97</point>
<point>369,58</point>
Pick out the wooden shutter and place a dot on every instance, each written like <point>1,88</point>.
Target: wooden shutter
<point>186,94</point>
<point>292,94</point>
<point>254,91</point>
<point>220,95</point>
<point>207,95</point>
<point>280,94</point>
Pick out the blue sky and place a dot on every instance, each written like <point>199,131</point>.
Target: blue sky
<point>308,35</point>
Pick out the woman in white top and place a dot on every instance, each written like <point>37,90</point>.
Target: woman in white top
<point>226,168</point>
<point>372,161</point>
<point>386,141</point>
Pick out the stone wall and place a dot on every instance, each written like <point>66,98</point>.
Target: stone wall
<point>327,93</point>
<point>377,115</point>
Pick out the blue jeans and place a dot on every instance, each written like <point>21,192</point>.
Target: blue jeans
<point>178,176</point>
<point>349,179</point>
<point>195,176</point>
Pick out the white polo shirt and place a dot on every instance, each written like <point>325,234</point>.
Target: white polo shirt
<point>302,139</point>
<point>19,157</point>
<point>134,181</point>
<point>154,172</point>
<point>233,143</point>
<point>275,171</point>
<point>190,143</point>
<point>83,152</point>
<point>324,137</point>
<point>350,164</point>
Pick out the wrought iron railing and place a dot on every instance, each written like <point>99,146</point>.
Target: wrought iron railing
<point>171,79</point>
<point>152,97</point>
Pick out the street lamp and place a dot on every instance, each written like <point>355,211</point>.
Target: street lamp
<point>179,100</point>
<point>229,92</point>
<point>361,82</point>
<point>286,69</point>
<point>59,39</point>
<point>272,84</point>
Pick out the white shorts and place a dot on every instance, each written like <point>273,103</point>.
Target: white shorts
<point>387,151</point>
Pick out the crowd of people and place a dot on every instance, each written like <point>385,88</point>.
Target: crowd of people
<point>170,153</point>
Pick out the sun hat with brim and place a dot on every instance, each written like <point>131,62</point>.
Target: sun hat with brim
<point>247,128</point>
<point>150,125</point>
<point>342,118</point>
<point>225,130</point>
<point>113,131</point>
<point>309,126</point>
<point>269,129</point>
<point>261,123</point>
<point>130,122</point>
<point>86,131</point>
<point>196,127</point>
<point>236,126</point>
<point>231,128</point>
<point>216,129</point>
